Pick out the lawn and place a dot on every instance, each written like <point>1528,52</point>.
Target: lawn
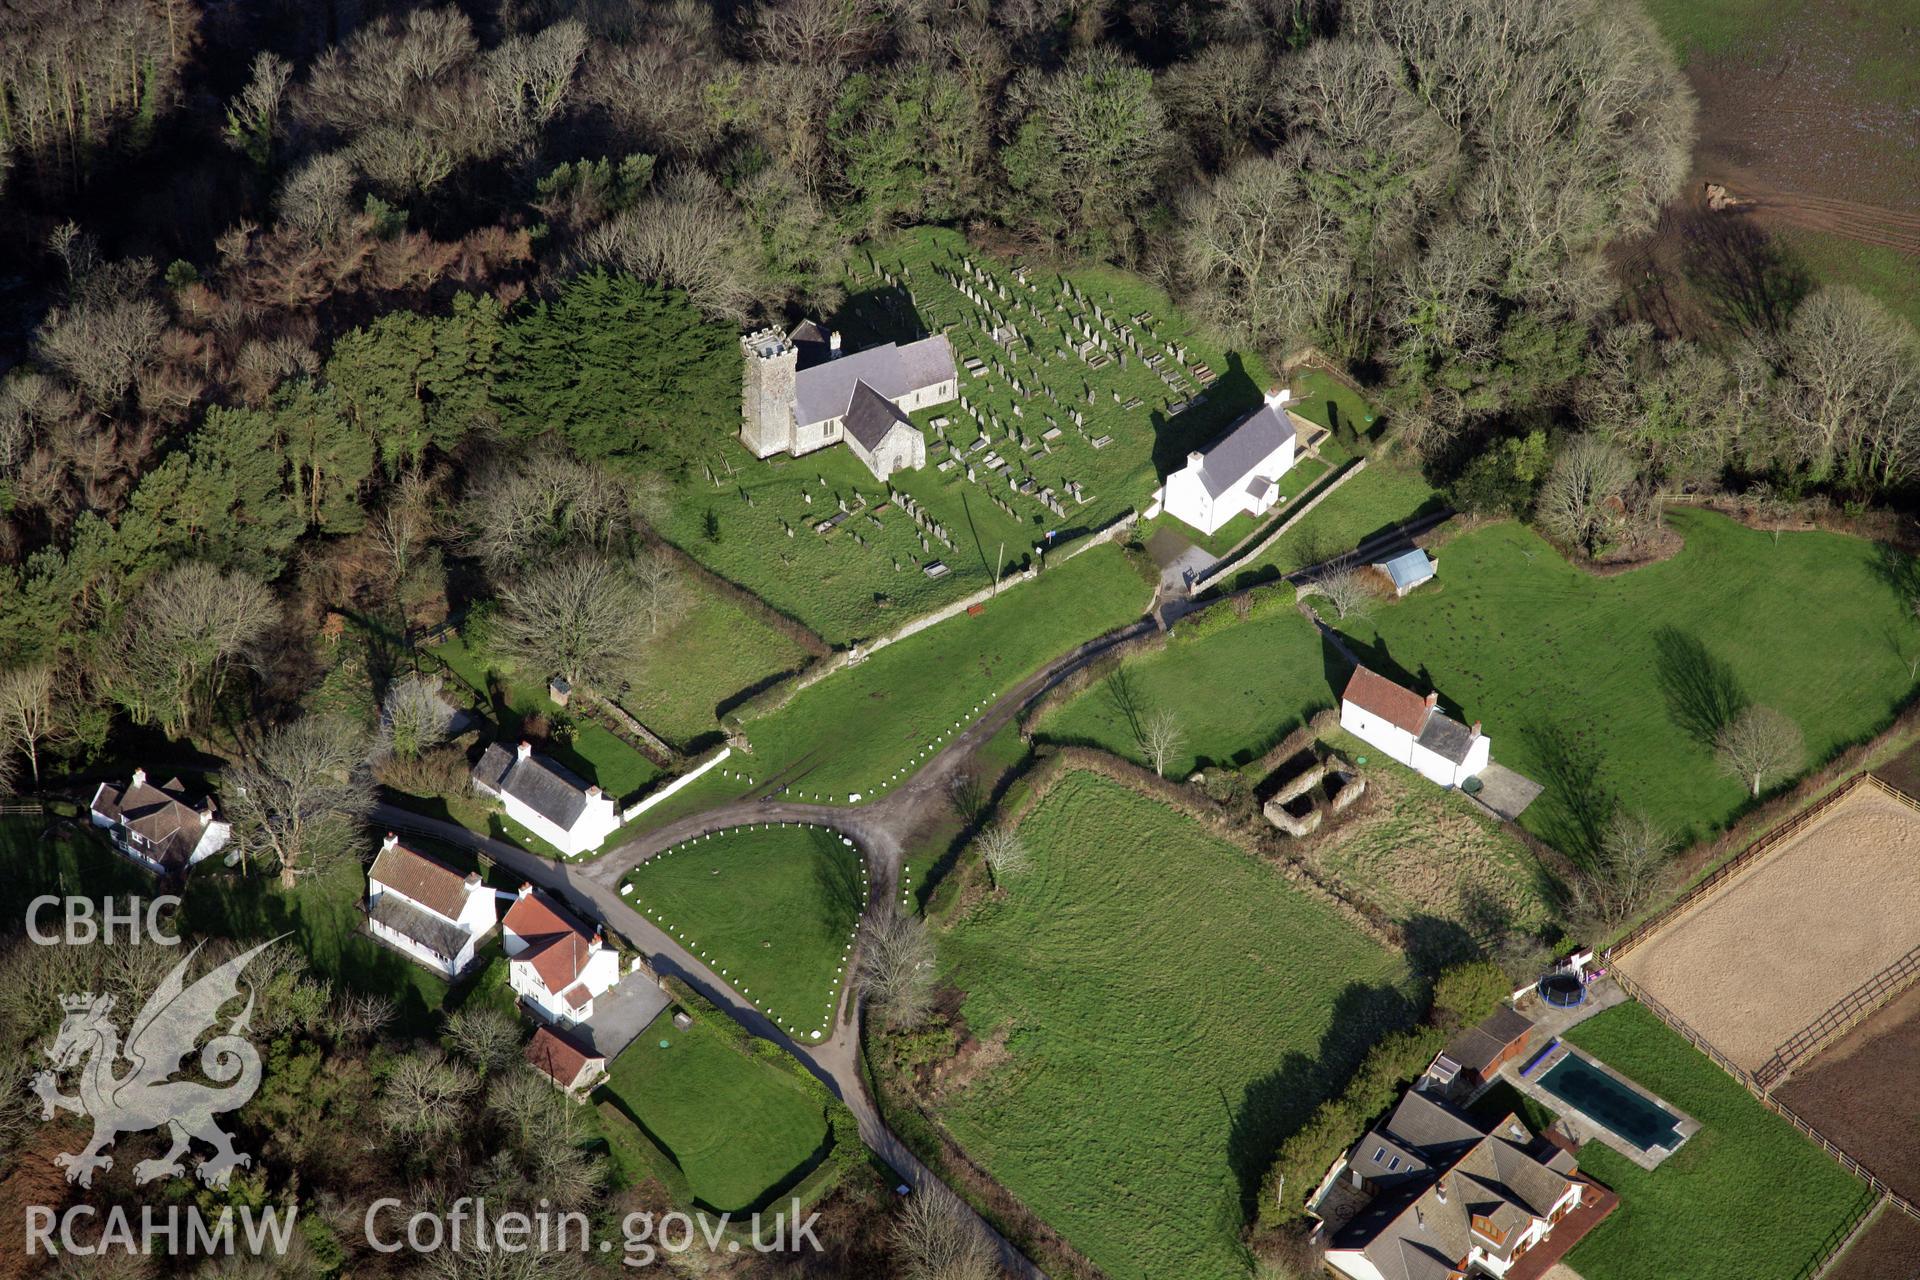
<point>509,698</point>
<point>1886,274</point>
<point>1159,1010</point>
<point>741,1130</point>
<point>1234,693</point>
<point>710,655</point>
<point>772,909</point>
<point>1384,495</point>
<point>1608,690</point>
<point>1747,1198</point>
<point>751,521</point>
<point>865,729</point>
<point>61,856</point>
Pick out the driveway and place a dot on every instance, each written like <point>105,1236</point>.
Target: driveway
<point>620,1015</point>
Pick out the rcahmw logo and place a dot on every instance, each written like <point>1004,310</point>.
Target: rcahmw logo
<point>128,1087</point>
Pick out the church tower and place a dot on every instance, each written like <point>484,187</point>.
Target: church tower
<point>766,393</point>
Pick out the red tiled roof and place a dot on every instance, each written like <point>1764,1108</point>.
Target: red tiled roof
<point>1400,707</point>
<point>557,945</point>
<point>579,995</point>
<point>558,1056</point>
<point>429,882</point>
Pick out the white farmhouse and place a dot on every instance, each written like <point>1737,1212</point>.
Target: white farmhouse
<point>426,910</point>
<point>800,393</point>
<point>553,963</point>
<point>1237,473</point>
<point>161,828</point>
<point>1411,729</point>
<point>546,799</point>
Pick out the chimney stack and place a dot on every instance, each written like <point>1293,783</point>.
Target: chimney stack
<point>391,840</point>
<point>596,942</point>
<point>473,880</point>
<point>1195,458</point>
<point>526,749</point>
<point>1278,396</point>
<point>833,345</point>
<point>139,777</point>
<point>1476,728</point>
<point>526,888</point>
<point>1432,699</point>
<point>593,793</point>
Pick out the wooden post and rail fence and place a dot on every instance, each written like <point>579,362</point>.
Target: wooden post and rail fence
<point>1863,1000</point>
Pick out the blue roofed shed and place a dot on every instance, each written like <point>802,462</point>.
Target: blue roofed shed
<point>1409,570</point>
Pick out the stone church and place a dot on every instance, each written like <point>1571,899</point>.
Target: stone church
<point>800,392</point>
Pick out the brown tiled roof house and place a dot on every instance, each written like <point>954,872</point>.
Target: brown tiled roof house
<point>163,828</point>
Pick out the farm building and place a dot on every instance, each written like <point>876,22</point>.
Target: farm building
<point>1411,729</point>
<point>546,799</point>
<point>1475,1055</point>
<point>1408,570</point>
<point>1237,473</point>
<point>553,963</point>
<point>162,828</point>
<point>1429,1195</point>
<point>426,910</point>
<point>573,1070</point>
<point>800,393</point>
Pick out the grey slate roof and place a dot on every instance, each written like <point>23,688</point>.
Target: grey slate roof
<point>1229,460</point>
<point>436,935</point>
<point>811,342</point>
<point>541,785</point>
<point>1446,737</point>
<point>164,816</point>
<point>871,416</point>
<point>826,390</point>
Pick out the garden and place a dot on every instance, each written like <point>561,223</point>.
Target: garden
<point>866,729</point>
<point>1159,1011</point>
<point>772,909</point>
<point>737,1129</point>
<point>1746,1198</point>
<point>1610,689</point>
<point>1375,501</point>
<point>1097,432</point>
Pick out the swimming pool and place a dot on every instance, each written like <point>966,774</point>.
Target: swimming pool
<point>1629,1113</point>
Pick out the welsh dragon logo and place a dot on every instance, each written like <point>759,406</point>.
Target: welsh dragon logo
<point>144,1096</point>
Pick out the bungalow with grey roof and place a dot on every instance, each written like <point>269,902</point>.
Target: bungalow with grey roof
<point>1238,473</point>
<point>800,393</point>
<point>546,799</point>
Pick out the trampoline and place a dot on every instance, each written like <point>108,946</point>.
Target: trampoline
<point>1562,990</point>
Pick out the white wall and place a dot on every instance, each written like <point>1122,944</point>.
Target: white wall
<point>1396,742</point>
<point>592,828</point>
<point>1351,1262</point>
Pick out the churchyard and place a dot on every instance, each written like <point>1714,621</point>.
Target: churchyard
<point>1076,393</point>
<point>1150,984</point>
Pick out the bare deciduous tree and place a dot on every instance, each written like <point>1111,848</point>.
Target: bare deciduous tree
<point>413,716</point>
<point>1758,746</point>
<point>1586,478</point>
<point>1348,587</point>
<point>484,1036</point>
<point>1160,739</point>
<point>940,1238</point>
<point>180,640</point>
<point>1853,369</point>
<point>1004,853</point>
<point>662,594</point>
<point>580,618</point>
<point>1629,869</point>
<point>26,711</point>
<point>425,1095</point>
<point>523,512</point>
<point>297,800</point>
<point>104,347</point>
<point>897,968</point>
<point>688,234</point>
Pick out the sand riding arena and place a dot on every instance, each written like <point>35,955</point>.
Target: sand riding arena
<point>1805,935</point>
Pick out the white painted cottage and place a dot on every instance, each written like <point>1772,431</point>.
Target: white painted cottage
<point>426,910</point>
<point>1411,729</point>
<point>162,828</point>
<point>546,799</point>
<point>1237,473</point>
<point>553,963</point>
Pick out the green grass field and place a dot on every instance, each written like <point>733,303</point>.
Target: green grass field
<point>1384,495</point>
<point>739,1129</point>
<point>773,909</point>
<point>712,653</point>
<point>593,752</point>
<point>1234,693</point>
<point>1747,1198</point>
<point>1885,273</point>
<point>1608,689</point>
<point>1162,1010</point>
<point>858,728</point>
<point>849,590</point>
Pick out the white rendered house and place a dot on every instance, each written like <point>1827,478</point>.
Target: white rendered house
<point>427,910</point>
<point>553,962</point>
<point>1412,730</point>
<point>162,828</point>
<point>546,799</point>
<point>1237,473</point>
